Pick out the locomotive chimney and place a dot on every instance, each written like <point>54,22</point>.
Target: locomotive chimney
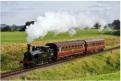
<point>28,47</point>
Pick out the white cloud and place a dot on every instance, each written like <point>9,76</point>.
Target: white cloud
<point>19,12</point>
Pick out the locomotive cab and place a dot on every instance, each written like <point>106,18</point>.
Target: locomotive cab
<point>38,55</point>
<point>42,54</point>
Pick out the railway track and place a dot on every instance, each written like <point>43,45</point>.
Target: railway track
<point>7,75</point>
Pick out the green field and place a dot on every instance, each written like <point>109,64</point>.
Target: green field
<point>13,46</point>
<point>20,37</point>
<point>14,37</point>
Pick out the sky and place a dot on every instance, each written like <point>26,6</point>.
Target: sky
<point>19,12</point>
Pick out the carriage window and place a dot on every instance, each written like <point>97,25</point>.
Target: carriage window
<point>65,48</point>
<point>69,47</point>
<point>62,48</point>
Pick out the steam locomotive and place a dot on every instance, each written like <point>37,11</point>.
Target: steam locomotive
<point>52,52</point>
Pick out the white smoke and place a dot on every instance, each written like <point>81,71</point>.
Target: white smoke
<point>60,22</point>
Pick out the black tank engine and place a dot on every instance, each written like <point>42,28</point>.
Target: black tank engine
<point>38,55</point>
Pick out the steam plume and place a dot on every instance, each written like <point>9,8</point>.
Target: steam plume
<point>60,22</point>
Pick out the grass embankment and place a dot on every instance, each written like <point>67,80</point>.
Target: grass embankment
<point>13,44</point>
<point>108,76</point>
<point>102,63</point>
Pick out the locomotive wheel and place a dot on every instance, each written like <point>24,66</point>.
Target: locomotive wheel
<point>53,59</point>
<point>25,66</point>
<point>102,49</point>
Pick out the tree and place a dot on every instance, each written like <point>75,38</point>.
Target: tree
<point>110,25</point>
<point>13,27</point>
<point>116,24</point>
<point>7,28</point>
<point>97,25</point>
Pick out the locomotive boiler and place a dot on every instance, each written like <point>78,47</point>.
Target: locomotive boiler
<point>52,52</point>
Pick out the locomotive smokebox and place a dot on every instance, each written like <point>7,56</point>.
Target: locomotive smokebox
<point>28,47</point>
